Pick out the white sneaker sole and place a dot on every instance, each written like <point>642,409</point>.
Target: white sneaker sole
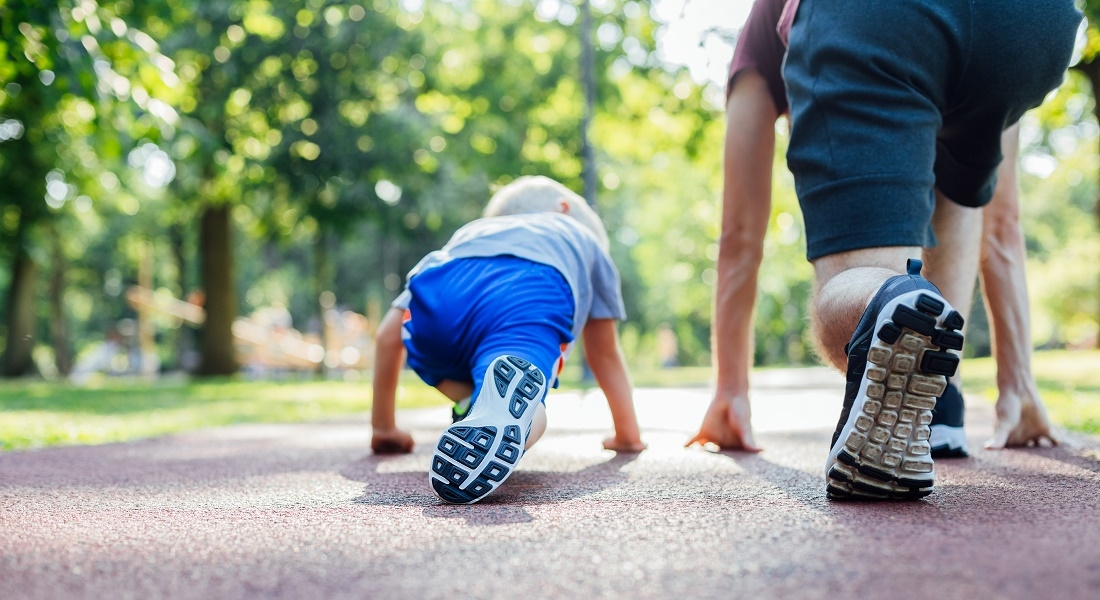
<point>948,442</point>
<point>883,451</point>
<point>475,455</point>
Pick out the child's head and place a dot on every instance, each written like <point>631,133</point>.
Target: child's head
<point>542,194</point>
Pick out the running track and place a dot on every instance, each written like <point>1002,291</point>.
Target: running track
<point>305,511</point>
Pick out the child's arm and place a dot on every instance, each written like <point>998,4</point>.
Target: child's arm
<point>601,349</point>
<point>389,355</point>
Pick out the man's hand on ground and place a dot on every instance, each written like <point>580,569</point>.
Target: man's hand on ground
<point>728,425</point>
<point>1021,423</point>
<point>391,441</point>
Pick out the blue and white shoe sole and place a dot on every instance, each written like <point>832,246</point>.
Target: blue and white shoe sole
<point>883,452</point>
<point>476,455</point>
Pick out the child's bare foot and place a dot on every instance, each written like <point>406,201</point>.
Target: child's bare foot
<point>1021,422</point>
<point>727,424</point>
<point>624,445</point>
<point>391,441</point>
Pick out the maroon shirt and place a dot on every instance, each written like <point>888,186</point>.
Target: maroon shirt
<point>762,45</point>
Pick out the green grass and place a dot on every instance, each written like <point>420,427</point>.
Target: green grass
<point>36,414</point>
<point>1069,383</point>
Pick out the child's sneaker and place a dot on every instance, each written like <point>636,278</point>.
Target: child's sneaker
<point>473,457</point>
<point>460,410</point>
<point>948,439</point>
<point>898,363</point>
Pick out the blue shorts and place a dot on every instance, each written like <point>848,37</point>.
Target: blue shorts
<point>890,98</point>
<point>467,312</point>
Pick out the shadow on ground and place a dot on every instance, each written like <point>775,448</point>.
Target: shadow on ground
<point>398,487</point>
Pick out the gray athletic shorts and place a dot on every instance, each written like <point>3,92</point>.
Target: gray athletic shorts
<point>892,97</point>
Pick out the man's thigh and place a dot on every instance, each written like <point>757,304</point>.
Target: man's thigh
<point>872,84</point>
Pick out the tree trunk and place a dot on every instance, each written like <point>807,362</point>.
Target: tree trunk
<point>1094,77</point>
<point>59,331</point>
<point>320,286</point>
<point>17,360</point>
<point>184,334</point>
<point>219,285</point>
<point>588,84</point>
<point>1092,71</point>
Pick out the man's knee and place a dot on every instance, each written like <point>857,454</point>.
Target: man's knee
<point>891,258</point>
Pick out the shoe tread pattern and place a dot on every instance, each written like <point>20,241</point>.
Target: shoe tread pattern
<point>471,461</point>
<point>886,455</point>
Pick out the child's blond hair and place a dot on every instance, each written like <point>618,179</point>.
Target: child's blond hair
<point>541,194</point>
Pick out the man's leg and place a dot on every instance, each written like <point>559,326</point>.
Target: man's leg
<point>994,234</point>
<point>953,266</point>
<point>845,284</point>
<point>896,331</point>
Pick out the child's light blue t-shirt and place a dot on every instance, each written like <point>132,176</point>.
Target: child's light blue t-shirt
<point>547,238</point>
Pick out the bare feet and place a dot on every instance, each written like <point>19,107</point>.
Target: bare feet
<point>624,445</point>
<point>1021,422</point>
<point>728,425</point>
<point>391,441</point>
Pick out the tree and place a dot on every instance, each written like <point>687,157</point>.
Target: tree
<point>1089,66</point>
<point>66,74</point>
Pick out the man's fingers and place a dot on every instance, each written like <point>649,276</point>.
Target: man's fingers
<point>749,445</point>
<point>999,439</point>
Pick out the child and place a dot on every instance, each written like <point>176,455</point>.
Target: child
<point>489,321</point>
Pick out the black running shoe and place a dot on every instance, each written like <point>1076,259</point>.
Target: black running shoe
<point>948,439</point>
<point>475,455</point>
<point>899,359</point>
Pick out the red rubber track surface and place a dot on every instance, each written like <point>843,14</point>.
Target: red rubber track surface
<point>305,511</point>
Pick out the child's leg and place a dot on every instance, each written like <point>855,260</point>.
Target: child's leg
<point>458,392</point>
<point>518,324</point>
<point>455,391</point>
<point>461,393</point>
<point>475,456</point>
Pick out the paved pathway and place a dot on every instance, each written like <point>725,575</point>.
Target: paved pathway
<point>305,511</point>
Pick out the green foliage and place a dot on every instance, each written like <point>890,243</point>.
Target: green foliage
<point>1069,385</point>
<point>352,137</point>
<point>1059,189</point>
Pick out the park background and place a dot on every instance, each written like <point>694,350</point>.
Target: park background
<point>284,164</point>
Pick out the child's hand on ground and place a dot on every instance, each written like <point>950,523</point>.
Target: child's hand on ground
<point>391,441</point>
<point>728,425</point>
<point>624,444</point>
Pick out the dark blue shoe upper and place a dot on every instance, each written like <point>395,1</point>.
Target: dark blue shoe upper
<point>949,408</point>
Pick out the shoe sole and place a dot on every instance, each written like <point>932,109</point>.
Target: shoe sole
<point>948,442</point>
<point>883,452</point>
<point>475,456</point>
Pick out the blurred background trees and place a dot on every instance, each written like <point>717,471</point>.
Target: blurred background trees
<point>298,157</point>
